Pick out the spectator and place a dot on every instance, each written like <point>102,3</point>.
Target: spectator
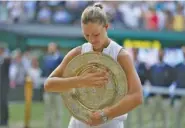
<point>44,15</point>
<point>26,59</point>
<point>140,67</point>
<point>180,72</point>
<point>179,20</point>
<point>161,19</point>
<point>169,20</point>
<point>152,19</point>
<point>149,15</point>
<point>35,72</point>
<point>16,10</point>
<point>3,12</point>
<point>179,80</point>
<point>130,15</point>
<point>52,100</point>
<point>161,74</point>
<point>30,7</point>
<point>62,16</point>
<point>4,86</point>
<point>17,71</point>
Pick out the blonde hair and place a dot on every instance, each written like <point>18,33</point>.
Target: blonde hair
<point>94,14</point>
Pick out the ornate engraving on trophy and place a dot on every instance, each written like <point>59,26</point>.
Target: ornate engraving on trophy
<point>75,108</point>
<point>82,101</point>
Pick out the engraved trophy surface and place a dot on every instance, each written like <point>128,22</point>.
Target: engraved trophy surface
<point>82,101</point>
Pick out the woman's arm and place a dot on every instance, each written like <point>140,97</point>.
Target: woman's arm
<point>55,82</point>
<point>134,96</point>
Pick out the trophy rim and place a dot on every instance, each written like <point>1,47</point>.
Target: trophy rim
<point>93,53</point>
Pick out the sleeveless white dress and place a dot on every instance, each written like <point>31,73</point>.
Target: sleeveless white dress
<point>112,50</point>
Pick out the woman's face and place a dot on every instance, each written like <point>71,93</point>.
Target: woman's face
<point>95,33</point>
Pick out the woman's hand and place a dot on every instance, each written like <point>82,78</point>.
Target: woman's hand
<point>96,118</point>
<point>93,79</point>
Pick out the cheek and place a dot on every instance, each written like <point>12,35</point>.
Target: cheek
<point>101,38</point>
<point>87,38</point>
<point>98,39</point>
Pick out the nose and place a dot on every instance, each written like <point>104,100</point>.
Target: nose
<point>91,39</point>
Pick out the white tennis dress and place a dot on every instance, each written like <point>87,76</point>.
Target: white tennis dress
<point>112,50</point>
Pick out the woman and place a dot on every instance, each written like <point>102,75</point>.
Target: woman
<point>94,26</point>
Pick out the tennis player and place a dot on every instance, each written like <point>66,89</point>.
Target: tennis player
<point>95,24</point>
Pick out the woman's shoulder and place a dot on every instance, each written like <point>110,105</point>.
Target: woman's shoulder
<point>78,50</point>
<point>72,54</point>
<point>124,54</point>
<point>75,51</point>
<point>116,45</point>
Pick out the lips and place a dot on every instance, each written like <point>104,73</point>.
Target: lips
<point>94,43</point>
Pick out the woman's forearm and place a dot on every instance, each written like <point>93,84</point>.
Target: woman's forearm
<point>56,84</point>
<point>127,104</point>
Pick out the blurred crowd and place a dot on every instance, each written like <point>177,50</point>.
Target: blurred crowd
<point>147,15</point>
<point>166,70</point>
<point>160,70</point>
<point>16,66</point>
<point>23,64</point>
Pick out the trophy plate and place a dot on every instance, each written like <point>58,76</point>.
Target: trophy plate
<point>83,101</point>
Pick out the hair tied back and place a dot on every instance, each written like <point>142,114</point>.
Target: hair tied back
<point>98,5</point>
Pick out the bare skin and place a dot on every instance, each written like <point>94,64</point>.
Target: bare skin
<point>96,34</point>
<point>56,83</point>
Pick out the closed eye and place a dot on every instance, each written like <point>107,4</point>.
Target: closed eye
<point>97,34</point>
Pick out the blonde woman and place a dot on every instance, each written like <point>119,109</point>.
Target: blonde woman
<point>94,24</point>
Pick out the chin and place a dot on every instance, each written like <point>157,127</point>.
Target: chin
<point>97,49</point>
<point>96,46</point>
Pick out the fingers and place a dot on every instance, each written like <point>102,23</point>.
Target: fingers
<point>102,73</point>
<point>100,81</point>
<point>104,81</point>
<point>100,78</point>
<point>94,119</point>
<point>96,79</point>
<point>100,84</point>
